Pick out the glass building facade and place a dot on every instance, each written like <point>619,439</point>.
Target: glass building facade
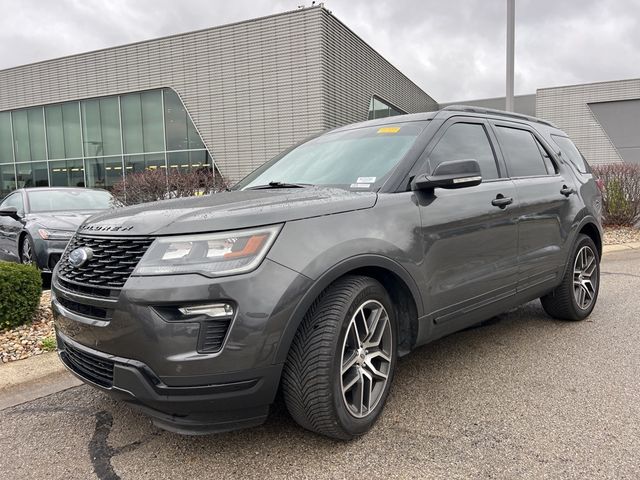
<point>96,142</point>
<point>379,108</point>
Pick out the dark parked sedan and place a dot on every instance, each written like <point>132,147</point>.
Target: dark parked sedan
<point>37,223</point>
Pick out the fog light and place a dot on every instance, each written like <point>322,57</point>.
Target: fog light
<point>214,310</point>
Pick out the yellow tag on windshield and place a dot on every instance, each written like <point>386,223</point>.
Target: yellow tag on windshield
<point>389,130</point>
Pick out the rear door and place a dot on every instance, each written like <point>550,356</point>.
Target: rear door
<point>547,203</point>
<point>469,234</point>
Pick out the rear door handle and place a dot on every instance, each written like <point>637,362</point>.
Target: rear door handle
<point>566,191</point>
<point>501,201</point>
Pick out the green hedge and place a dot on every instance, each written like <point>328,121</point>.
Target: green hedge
<point>20,290</point>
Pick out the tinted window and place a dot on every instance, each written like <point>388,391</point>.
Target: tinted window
<point>571,152</point>
<point>14,200</point>
<point>523,155</point>
<point>464,141</point>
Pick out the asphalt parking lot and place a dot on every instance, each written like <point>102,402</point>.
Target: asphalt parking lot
<point>522,396</point>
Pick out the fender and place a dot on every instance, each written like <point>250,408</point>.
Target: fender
<point>328,277</point>
<point>587,219</point>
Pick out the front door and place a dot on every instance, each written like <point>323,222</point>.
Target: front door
<point>469,234</point>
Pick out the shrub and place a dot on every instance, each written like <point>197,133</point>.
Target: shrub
<point>158,184</point>
<point>621,196</point>
<point>20,290</point>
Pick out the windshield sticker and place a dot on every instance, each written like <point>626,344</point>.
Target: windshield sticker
<point>360,185</point>
<point>388,129</point>
<point>366,180</point>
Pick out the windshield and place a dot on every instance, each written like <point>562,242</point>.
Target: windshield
<point>356,158</point>
<point>60,200</point>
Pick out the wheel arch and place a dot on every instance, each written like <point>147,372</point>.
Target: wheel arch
<point>401,287</point>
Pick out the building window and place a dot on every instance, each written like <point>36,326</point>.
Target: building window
<point>95,142</point>
<point>379,108</point>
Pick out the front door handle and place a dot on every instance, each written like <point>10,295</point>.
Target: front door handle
<point>501,201</point>
<point>566,191</point>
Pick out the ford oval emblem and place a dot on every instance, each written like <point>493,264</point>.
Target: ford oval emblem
<point>80,256</point>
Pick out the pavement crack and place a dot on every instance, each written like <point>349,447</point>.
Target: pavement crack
<point>621,274</point>
<point>99,450</point>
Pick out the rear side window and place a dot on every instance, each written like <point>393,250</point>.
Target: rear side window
<point>521,151</point>
<point>571,153</point>
<point>465,141</point>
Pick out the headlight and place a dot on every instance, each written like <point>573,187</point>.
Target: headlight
<point>49,234</point>
<point>210,254</point>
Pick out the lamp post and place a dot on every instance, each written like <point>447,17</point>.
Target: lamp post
<point>511,17</point>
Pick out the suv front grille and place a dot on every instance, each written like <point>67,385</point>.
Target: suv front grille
<point>84,309</point>
<point>113,261</point>
<point>95,369</point>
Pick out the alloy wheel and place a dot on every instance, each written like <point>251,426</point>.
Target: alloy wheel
<point>27,255</point>
<point>585,282</point>
<point>366,358</point>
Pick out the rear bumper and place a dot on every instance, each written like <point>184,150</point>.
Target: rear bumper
<point>236,400</point>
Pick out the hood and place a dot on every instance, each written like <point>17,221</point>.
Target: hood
<point>227,211</point>
<point>60,220</point>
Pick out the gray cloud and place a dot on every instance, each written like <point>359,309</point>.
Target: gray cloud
<point>453,49</point>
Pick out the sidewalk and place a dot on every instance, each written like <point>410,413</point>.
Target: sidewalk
<point>34,377</point>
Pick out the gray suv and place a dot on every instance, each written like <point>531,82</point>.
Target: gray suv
<point>324,266</point>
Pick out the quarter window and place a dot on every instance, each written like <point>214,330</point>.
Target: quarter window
<point>571,152</point>
<point>465,141</point>
<point>522,153</point>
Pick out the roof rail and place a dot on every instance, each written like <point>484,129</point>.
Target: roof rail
<point>501,113</point>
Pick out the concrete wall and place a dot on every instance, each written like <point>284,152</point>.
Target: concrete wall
<point>525,104</point>
<point>569,108</point>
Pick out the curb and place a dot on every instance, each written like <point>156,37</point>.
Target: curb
<point>621,247</point>
<point>32,378</point>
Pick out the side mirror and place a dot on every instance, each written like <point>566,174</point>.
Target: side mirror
<point>9,212</point>
<point>451,174</point>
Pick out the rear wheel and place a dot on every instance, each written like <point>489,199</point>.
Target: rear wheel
<point>341,363</point>
<point>576,296</point>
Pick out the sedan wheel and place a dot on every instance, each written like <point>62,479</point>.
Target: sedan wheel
<point>26,251</point>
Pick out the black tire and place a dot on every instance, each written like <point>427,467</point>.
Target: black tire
<point>561,303</point>
<point>312,377</point>
<point>27,251</point>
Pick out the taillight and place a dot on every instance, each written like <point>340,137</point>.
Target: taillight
<point>600,185</point>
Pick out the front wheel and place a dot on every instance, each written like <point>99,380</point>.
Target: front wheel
<point>341,363</point>
<point>27,253</point>
<point>576,296</point>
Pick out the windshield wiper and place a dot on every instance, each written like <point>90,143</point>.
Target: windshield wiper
<point>279,185</point>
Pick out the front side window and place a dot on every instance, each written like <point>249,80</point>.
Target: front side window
<point>52,200</point>
<point>357,158</point>
<point>571,152</point>
<point>466,141</point>
<point>521,151</point>
<point>14,200</point>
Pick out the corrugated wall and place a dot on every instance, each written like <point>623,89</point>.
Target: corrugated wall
<point>252,88</point>
<point>353,72</point>
<point>568,108</point>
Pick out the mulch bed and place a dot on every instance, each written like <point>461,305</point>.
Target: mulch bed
<point>617,235</point>
<point>26,341</point>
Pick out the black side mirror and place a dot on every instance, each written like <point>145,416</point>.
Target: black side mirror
<point>451,174</point>
<point>9,212</point>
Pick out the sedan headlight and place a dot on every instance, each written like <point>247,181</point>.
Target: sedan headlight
<point>51,234</point>
<point>209,254</point>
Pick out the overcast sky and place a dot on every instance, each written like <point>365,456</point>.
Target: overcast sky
<point>453,49</point>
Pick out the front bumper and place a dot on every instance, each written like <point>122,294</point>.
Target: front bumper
<point>199,409</point>
<point>48,253</point>
<point>155,364</point>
